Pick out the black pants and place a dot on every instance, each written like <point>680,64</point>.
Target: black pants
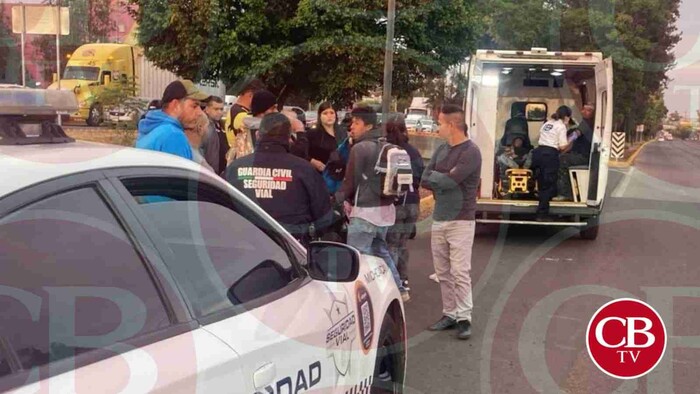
<point>545,163</point>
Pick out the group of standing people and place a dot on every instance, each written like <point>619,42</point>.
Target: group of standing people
<point>298,177</point>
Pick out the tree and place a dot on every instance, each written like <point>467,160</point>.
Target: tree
<point>674,116</point>
<point>322,49</point>
<point>655,114</point>
<point>638,34</point>
<point>121,95</point>
<point>91,21</point>
<point>7,44</point>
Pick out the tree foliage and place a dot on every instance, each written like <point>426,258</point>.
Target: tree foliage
<point>90,21</point>
<point>638,34</point>
<point>323,49</point>
<point>655,114</point>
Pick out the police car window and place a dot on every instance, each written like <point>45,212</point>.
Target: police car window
<point>70,281</point>
<point>224,254</point>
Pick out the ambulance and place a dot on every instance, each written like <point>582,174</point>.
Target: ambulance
<point>531,85</point>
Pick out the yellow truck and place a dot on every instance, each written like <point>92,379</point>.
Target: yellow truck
<point>92,67</point>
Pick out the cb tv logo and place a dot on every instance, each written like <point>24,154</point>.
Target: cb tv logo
<point>626,338</point>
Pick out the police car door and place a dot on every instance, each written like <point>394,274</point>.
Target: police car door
<point>242,278</point>
<point>302,342</point>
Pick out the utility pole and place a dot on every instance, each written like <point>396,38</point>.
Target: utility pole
<point>388,60</point>
<point>24,34</point>
<point>58,50</point>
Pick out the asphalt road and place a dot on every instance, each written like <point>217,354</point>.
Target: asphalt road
<point>536,289</point>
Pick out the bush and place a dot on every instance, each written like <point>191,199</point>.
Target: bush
<point>684,132</point>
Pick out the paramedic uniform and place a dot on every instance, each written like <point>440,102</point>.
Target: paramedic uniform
<point>545,162</point>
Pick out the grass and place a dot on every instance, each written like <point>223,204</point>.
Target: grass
<point>105,136</point>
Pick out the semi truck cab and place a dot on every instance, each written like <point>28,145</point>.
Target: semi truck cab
<point>92,67</point>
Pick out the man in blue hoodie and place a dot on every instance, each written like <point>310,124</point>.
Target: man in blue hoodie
<point>163,130</point>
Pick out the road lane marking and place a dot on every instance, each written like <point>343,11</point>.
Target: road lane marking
<point>620,190</point>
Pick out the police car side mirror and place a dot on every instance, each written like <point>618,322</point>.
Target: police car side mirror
<point>333,262</point>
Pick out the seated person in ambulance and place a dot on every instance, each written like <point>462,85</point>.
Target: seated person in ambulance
<point>517,126</point>
<point>578,153</point>
<point>515,155</point>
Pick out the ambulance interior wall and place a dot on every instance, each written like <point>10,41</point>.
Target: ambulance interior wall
<point>512,90</point>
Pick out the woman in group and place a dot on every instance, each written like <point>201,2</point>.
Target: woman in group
<point>408,206</point>
<point>325,137</point>
<point>545,158</point>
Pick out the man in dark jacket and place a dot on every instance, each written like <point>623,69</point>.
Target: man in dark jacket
<point>285,186</point>
<point>578,155</point>
<point>371,215</point>
<point>215,145</point>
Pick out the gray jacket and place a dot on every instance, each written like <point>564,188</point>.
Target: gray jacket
<point>211,149</point>
<point>362,185</point>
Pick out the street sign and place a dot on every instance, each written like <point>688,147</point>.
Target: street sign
<point>40,19</point>
<point>618,145</point>
<point>640,128</point>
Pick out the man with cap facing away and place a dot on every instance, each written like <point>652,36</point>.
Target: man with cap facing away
<point>285,186</point>
<point>263,102</point>
<point>163,130</point>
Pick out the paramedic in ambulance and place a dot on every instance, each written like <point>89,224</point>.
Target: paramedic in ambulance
<point>545,158</point>
<point>283,185</point>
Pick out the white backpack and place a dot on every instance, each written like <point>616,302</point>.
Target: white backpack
<point>394,167</point>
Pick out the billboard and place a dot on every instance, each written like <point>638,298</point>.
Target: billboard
<point>40,19</point>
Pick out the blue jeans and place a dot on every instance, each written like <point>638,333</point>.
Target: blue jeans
<point>370,239</point>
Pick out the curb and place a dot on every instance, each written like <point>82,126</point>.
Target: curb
<point>630,161</point>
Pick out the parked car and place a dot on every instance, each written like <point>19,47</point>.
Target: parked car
<point>301,114</point>
<point>131,270</point>
<point>428,126</point>
<point>311,119</point>
<point>412,125</point>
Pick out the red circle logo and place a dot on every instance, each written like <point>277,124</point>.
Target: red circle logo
<point>626,338</point>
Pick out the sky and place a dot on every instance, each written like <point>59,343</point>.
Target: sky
<point>683,93</point>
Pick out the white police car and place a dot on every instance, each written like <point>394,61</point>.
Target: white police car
<point>131,271</point>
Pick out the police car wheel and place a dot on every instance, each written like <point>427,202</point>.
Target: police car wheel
<point>389,363</point>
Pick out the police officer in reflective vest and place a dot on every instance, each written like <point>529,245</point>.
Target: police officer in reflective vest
<point>285,186</point>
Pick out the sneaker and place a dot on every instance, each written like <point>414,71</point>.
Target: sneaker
<point>561,198</point>
<point>434,278</point>
<point>445,323</point>
<point>405,297</point>
<point>464,329</point>
<point>405,285</point>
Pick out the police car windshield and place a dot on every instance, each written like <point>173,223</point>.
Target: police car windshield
<point>82,73</point>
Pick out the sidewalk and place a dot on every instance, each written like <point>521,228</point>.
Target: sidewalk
<point>630,156</point>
